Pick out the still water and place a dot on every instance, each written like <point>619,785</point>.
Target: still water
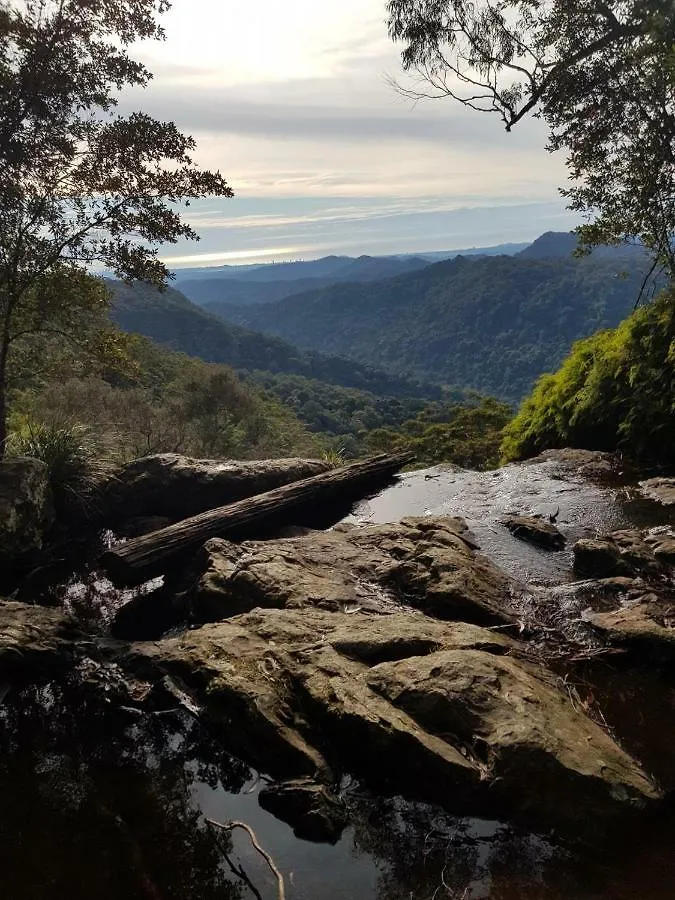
<point>107,803</point>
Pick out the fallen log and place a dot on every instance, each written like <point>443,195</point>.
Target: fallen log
<point>153,554</point>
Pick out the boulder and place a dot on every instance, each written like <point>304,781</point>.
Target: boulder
<point>26,510</point>
<point>645,629</point>
<point>177,487</point>
<point>428,563</point>
<point>661,490</point>
<point>535,531</point>
<point>35,642</point>
<point>622,553</point>
<point>448,712</point>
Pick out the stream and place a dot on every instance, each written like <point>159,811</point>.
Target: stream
<point>109,802</point>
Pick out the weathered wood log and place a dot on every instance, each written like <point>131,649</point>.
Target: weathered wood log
<point>153,554</point>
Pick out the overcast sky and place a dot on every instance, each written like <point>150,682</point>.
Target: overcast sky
<point>292,102</point>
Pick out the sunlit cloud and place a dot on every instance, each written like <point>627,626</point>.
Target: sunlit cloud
<point>292,103</point>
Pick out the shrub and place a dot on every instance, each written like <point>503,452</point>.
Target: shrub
<point>615,391</point>
<point>75,470</point>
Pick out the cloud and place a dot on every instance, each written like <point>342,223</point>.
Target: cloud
<point>291,102</point>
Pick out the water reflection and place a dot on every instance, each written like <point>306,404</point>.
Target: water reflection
<point>106,802</point>
<point>93,805</point>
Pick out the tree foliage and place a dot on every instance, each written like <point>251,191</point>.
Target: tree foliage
<point>465,434</point>
<point>79,183</point>
<point>159,402</point>
<point>601,73</point>
<point>613,392</point>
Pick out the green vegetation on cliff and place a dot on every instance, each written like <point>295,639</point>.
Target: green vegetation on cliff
<point>615,391</point>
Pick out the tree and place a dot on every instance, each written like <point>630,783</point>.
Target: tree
<point>601,73</point>
<point>79,183</point>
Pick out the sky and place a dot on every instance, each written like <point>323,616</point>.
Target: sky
<point>293,103</point>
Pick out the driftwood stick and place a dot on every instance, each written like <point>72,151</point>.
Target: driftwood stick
<point>230,826</point>
<point>153,554</point>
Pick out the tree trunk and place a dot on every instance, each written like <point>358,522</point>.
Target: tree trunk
<point>4,411</point>
<point>327,496</point>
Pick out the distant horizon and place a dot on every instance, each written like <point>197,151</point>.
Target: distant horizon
<point>268,230</point>
<point>421,253</point>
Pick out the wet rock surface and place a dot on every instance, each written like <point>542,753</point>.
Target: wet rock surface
<point>175,487</point>
<point>624,553</point>
<point>662,490</point>
<point>26,510</point>
<point>536,531</point>
<point>585,492</point>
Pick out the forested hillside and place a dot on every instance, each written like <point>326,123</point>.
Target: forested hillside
<point>169,318</point>
<point>490,324</point>
<point>267,284</point>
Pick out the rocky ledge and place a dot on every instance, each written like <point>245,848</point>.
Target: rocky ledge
<point>175,487</point>
<point>359,650</point>
<point>403,653</point>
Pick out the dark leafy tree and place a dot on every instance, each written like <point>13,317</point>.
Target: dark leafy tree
<point>601,73</point>
<point>79,183</point>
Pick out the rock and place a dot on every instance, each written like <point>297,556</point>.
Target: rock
<point>516,725</point>
<point>661,490</point>
<point>593,465</point>
<point>26,510</point>
<point>149,614</point>
<point>443,711</point>
<point>308,807</point>
<point>535,531</point>
<point>35,642</point>
<point>662,544</point>
<point>422,562</point>
<point>177,487</point>
<point>644,629</point>
<point>622,553</point>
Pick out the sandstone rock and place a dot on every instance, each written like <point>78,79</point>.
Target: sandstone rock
<point>644,629</point>
<point>662,544</point>
<point>516,725</point>
<point>443,711</point>
<point>26,510</point>
<point>535,531</point>
<point>34,641</point>
<point>593,465</point>
<point>622,553</point>
<point>178,487</point>
<point>661,490</point>
<point>422,562</point>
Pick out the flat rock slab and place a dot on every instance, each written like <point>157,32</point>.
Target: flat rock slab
<point>34,641</point>
<point>429,563</point>
<point>535,531</point>
<point>178,487</point>
<point>444,711</point>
